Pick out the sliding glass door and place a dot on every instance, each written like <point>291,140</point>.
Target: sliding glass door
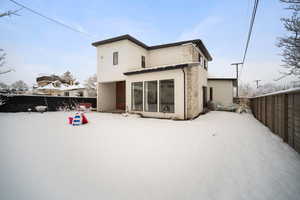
<point>150,96</point>
<point>166,96</point>
<point>137,96</point>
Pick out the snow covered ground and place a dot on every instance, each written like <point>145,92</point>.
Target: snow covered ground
<point>220,155</point>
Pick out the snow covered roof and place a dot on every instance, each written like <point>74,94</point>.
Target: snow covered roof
<point>72,87</point>
<point>61,88</point>
<point>221,78</point>
<point>48,87</point>
<point>291,90</point>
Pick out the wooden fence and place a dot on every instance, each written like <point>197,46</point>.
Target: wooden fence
<point>281,113</point>
<point>22,103</point>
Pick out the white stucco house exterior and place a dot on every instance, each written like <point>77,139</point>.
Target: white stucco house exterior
<point>163,81</point>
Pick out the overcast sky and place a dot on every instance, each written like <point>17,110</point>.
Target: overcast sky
<point>35,45</point>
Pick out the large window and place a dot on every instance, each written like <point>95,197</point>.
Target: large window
<point>137,96</point>
<point>150,96</point>
<point>115,58</point>
<point>166,96</point>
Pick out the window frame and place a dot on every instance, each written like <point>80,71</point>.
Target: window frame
<point>204,96</point>
<point>157,95</point>
<point>205,64</point>
<point>160,96</point>
<point>132,96</point>
<point>143,61</point>
<point>200,58</point>
<point>115,58</point>
<point>211,93</point>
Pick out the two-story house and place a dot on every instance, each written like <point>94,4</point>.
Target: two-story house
<point>163,81</point>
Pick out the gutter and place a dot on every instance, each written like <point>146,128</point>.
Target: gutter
<point>184,99</point>
<point>157,69</point>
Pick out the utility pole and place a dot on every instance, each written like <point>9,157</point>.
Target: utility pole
<point>237,77</point>
<point>257,83</point>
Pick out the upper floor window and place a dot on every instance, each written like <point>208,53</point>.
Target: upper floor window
<point>115,58</point>
<point>199,58</point>
<point>205,64</point>
<point>143,62</point>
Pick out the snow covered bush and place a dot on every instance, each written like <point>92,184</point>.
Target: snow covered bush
<point>41,108</point>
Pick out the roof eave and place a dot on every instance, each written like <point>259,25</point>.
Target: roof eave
<point>198,42</point>
<point>149,70</point>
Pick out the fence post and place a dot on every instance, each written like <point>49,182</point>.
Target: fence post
<point>285,115</point>
<point>266,114</point>
<point>273,114</point>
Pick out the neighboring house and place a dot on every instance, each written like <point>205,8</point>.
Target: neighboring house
<point>221,90</point>
<point>163,81</point>
<point>56,86</point>
<point>45,79</point>
<point>74,91</point>
<point>62,90</point>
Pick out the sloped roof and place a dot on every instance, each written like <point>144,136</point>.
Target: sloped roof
<point>72,87</point>
<point>62,87</point>
<point>48,87</point>
<point>197,42</point>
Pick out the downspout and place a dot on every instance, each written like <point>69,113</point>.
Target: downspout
<point>184,99</point>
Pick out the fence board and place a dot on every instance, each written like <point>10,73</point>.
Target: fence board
<point>269,112</point>
<point>263,110</point>
<point>281,113</point>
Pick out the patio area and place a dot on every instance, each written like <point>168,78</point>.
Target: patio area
<point>220,155</point>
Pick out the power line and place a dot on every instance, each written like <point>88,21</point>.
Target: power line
<point>10,13</point>
<point>50,19</point>
<point>249,32</point>
<point>250,29</point>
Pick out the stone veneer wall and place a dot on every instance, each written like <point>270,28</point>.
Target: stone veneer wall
<point>192,91</point>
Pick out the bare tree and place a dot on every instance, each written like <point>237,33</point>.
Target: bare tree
<point>3,86</point>
<point>10,13</point>
<point>2,62</point>
<point>270,87</point>
<point>290,44</point>
<point>293,4</point>
<point>68,78</point>
<point>246,90</point>
<point>91,85</point>
<point>19,85</point>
